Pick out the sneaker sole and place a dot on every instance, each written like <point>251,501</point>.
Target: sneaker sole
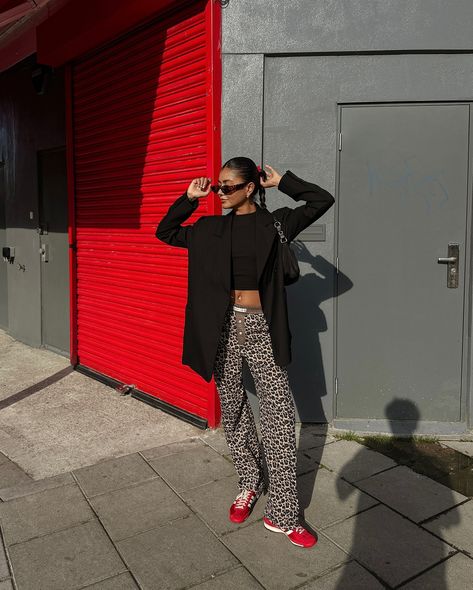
<point>277,530</point>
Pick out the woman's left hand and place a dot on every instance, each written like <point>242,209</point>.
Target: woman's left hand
<point>273,177</point>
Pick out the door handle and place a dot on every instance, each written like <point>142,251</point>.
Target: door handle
<point>448,259</point>
<point>452,261</point>
<point>44,251</point>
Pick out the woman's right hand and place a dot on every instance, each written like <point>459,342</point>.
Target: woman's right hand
<point>199,187</point>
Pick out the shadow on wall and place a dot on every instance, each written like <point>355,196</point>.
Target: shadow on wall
<point>307,321</point>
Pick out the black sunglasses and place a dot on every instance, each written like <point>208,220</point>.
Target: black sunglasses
<point>226,189</point>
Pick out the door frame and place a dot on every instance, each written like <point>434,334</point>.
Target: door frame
<point>466,399</point>
<point>39,153</point>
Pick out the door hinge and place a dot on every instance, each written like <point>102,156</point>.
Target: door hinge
<point>337,264</point>
<point>339,142</point>
<point>336,385</point>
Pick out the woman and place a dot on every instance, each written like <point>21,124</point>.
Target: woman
<point>237,308</point>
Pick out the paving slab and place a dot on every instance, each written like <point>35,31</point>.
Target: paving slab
<point>462,447</point>
<point>114,474</point>
<point>278,564</point>
<point>388,544</point>
<point>416,496</point>
<point>236,579</point>
<point>135,509</point>
<point>216,439</point>
<point>120,582</point>
<point>192,468</point>
<point>455,526</point>
<point>456,572</point>
<point>6,585</point>
<point>12,475</point>
<point>351,460</point>
<point>306,440</point>
<point>23,366</point>
<point>309,438</point>
<point>314,428</point>
<point>310,459</point>
<point>42,513</point>
<point>172,448</point>
<point>32,486</point>
<point>3,458</point>
<point>325,498</point>
<point>71,558</point>
<point>212,502</point>
<point>350,576</point>
<point>181,554</point>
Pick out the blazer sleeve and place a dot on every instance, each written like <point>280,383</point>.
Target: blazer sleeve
<point>170,230</point>
<point>318,202</point>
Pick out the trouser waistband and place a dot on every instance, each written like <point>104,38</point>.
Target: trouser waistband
<point>242,309</point>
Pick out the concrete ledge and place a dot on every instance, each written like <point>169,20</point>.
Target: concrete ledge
<point>402,427</point>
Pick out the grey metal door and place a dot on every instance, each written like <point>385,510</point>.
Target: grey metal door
<point>54,251</point>
<point>3,264</point>
<point>403,180</point>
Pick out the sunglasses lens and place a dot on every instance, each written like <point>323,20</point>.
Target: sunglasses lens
<point>215,188</point>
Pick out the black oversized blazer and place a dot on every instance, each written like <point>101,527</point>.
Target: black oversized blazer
<point>208,242</point>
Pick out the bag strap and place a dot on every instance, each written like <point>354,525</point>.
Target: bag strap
<point>278,226</point>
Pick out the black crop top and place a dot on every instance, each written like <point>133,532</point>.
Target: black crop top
<point>244,252</point>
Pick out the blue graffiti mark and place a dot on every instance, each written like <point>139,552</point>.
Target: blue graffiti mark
<point>409,184</point>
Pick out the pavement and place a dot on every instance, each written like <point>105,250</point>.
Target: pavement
<point>104,492</point>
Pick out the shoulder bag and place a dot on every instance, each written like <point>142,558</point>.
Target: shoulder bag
<point>290,265</point>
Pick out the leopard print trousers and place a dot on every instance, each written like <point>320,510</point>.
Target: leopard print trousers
<point>246,334</point>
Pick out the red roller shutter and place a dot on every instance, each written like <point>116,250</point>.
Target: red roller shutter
<point>144,124</point>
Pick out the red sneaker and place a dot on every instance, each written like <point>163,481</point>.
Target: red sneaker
<point>242,506</point>
<point>298,535</point>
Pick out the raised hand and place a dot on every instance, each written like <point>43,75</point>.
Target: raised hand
<point>199,187</point>
<point>273,177</point>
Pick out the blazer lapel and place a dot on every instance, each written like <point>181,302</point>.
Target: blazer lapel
<point>265,234</point>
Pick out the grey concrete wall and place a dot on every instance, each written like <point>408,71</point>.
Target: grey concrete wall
<point>322,26</point>
<point>287,66</point>
<point>28,122</point>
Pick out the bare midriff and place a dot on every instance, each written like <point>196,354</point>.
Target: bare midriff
<point>245,298</point>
